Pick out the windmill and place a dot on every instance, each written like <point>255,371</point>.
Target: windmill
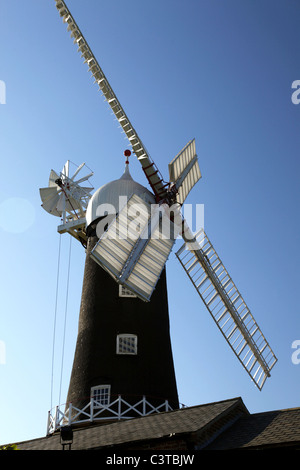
<point>136,261</point>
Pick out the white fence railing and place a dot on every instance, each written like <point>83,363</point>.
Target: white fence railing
<point>67,415</point>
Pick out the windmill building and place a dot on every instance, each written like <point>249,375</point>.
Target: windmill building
<point>123,365</point>
<point>123,346</point>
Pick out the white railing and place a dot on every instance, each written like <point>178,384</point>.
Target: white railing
<point>67,415</point>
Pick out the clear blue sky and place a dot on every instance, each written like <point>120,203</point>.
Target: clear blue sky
<point>219,71</point>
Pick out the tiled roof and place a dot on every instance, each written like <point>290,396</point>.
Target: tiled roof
<point>214,426</point>
<point>185,421</point>
<point>268,429</point>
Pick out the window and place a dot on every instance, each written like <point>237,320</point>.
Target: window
<point>125,292</point>
<point>126,344</point>
<point>101,395</point>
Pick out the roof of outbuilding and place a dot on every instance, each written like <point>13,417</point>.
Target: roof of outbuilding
<point>137,430</point>
<point>215,426</point>
<point>273,428</point>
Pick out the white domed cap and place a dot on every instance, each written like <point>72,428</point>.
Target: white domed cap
<point>109,196</point>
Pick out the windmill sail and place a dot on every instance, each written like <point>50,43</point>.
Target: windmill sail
<point>227,307</point>
<point>184,171</point>
<point>134,258</point>
<point>152,173</point>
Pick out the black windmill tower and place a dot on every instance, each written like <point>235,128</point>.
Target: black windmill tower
<point>123,364</point>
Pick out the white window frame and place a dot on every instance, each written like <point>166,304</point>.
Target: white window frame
<point>101,395</point>
<point>121,349</point>
<point>125,292</point>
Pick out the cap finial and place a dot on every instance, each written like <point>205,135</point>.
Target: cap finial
<point>127,154</point>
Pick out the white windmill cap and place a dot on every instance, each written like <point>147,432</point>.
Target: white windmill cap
<point>107,197</point>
